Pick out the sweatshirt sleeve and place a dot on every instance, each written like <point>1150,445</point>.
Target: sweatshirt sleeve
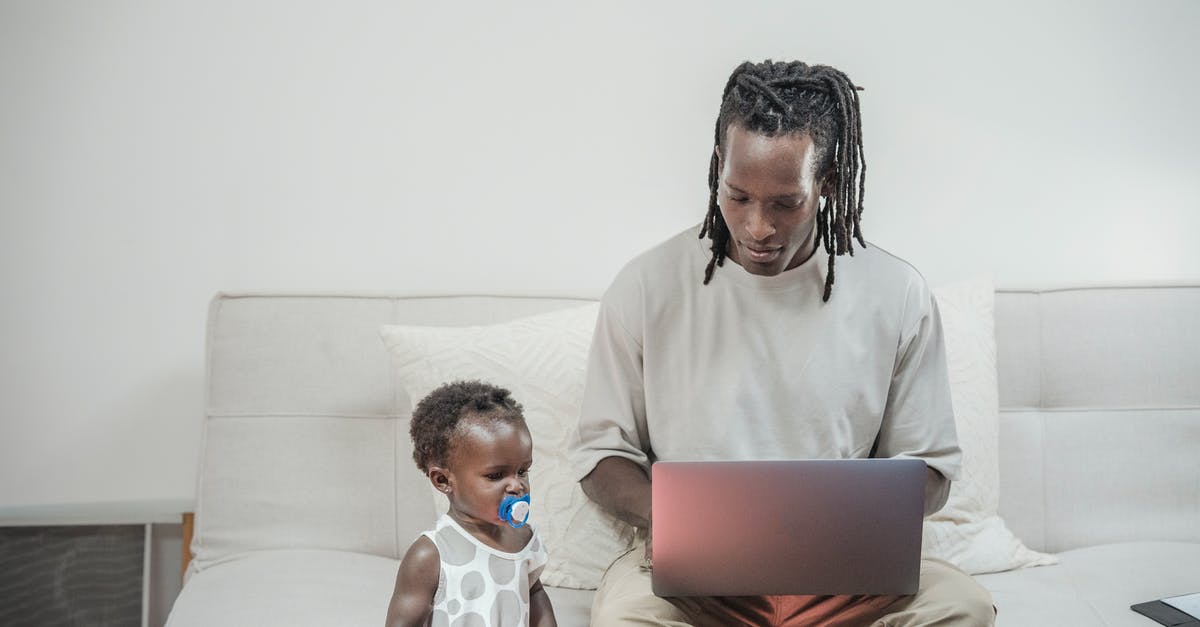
<point>918,420</point>
<point>612,421</point>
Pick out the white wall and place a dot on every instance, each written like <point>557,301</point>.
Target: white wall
<point>154,153</point>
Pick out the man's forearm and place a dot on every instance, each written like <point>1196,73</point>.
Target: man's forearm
<point>937,490</point>
<point>621,487</point>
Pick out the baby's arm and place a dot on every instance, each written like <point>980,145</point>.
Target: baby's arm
<point>416,583</point>
<point>541,614</point>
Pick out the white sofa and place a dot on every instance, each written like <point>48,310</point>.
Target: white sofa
<point>307,495</point>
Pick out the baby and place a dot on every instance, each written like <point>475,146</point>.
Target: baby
<point>480,564</point>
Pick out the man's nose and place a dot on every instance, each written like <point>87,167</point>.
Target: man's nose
<point>758,226</point>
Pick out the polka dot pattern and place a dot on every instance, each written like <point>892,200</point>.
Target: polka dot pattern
<point>481,585</point>
<point>506,610</point>
<point>502,570</point>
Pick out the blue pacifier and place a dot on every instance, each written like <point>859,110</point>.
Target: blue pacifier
<point>514,510</point>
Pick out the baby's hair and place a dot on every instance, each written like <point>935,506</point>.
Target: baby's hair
<point>438,414</point>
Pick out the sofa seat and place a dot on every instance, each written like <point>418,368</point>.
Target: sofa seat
<point>312,588</point>
<point>1095,585</point>
<point>1090,586</point>
<point>571,607</point>
<point>297,587</point>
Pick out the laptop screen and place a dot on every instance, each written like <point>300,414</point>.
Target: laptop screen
<point>847,526</point>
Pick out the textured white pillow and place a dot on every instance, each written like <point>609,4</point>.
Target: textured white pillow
<point>541,359</point>
<point>968,532</point>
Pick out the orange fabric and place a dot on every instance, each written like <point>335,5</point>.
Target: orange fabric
<point>789,611</point>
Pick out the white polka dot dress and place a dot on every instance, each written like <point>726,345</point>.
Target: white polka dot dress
<point>480,586</point>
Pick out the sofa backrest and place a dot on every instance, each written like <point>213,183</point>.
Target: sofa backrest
<point>1100,414</point>
<point>306,439</point>
<point>306,442</point>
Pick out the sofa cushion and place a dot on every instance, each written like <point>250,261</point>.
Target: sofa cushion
<point>1095,585</point>
<point>287,481</point>
<point>571,606</point>
<point>300,439</point>
<point>306,437</point>
<point>1100,414</point>
<point>1077,480</point>
<point>541,360</point>
<point>968,532</point>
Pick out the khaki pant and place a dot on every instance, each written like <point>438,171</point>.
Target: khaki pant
<point>946,596</point>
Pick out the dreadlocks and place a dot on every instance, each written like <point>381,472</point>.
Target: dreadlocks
<point>785,98</point>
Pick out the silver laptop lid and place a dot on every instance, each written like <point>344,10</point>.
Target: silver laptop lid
<point>846,526</point>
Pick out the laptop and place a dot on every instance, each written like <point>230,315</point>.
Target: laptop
<point>844,526</point>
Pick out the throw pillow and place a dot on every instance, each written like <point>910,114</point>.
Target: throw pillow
<point>968,532</point>
<point>541,359</point>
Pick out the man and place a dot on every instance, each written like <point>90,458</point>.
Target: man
<point>766,358</point>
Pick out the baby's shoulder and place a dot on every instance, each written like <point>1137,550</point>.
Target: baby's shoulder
<point>422,556</point>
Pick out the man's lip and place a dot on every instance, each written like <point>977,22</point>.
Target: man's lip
<point>761,251</point>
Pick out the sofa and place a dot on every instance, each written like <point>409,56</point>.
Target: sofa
<point>307,496</point>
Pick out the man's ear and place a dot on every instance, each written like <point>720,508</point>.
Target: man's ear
<point>829,185</point>
<point>440,478</point>
<point>717,154</point>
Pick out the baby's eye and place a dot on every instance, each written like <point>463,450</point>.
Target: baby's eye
<point>524,472</point>
<point>494,476</point>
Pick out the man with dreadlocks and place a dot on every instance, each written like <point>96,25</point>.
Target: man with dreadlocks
<point>766,357</point>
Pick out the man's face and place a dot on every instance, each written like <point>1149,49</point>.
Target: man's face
<point>768,193</point>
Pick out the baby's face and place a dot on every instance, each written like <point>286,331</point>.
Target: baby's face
<point>489,460</point>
